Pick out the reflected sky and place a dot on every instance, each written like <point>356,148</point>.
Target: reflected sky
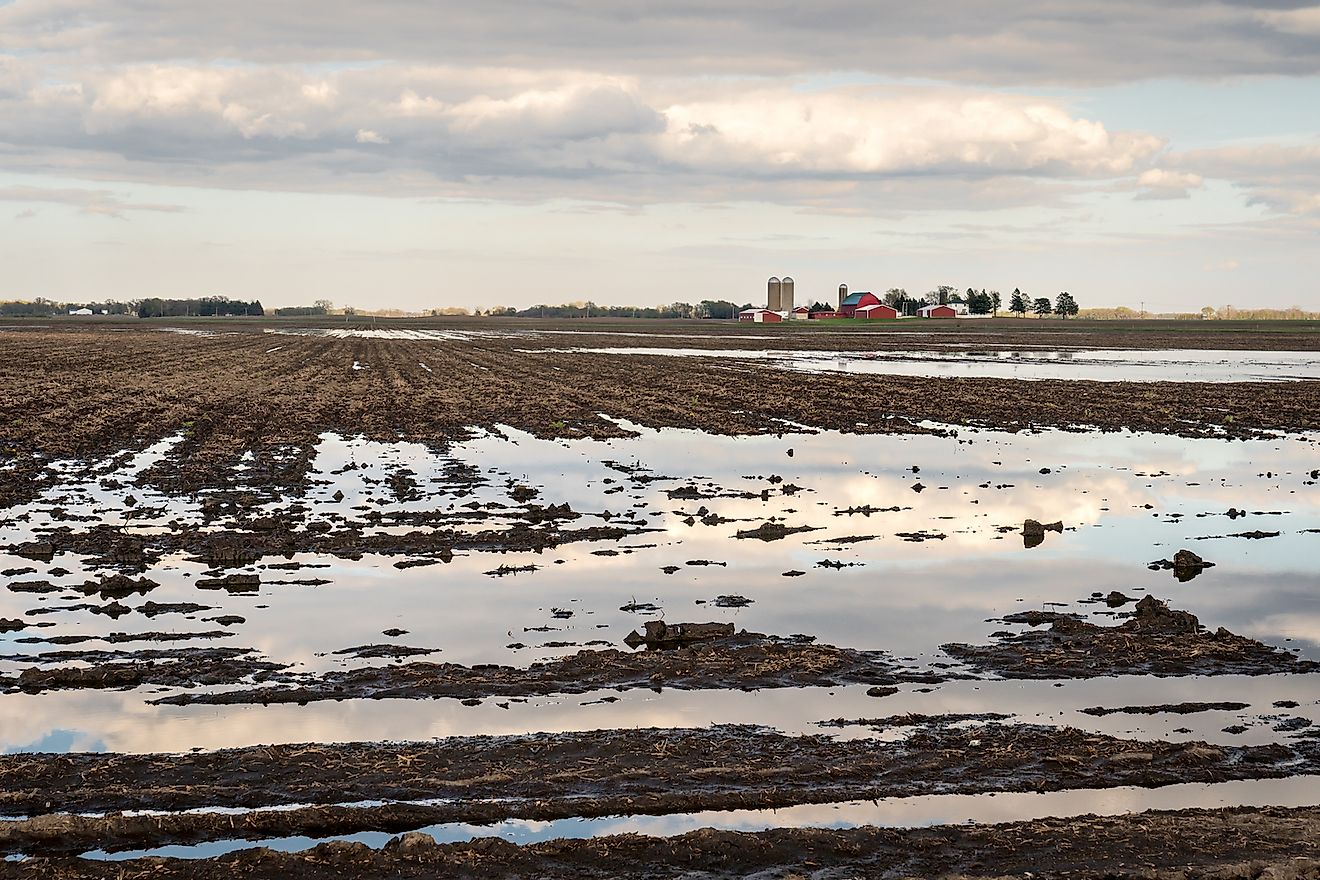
<point>1097,365</point>
<point>1124,499</point>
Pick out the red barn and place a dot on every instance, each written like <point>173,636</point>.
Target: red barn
<point>937,312</point>
<point>881,311</point>
<point>854,301</point>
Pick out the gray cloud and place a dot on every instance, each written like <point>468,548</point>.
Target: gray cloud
<point>635,102</point>
<point>1282,178</point>
<point>514,133</point>
<point>1031,42</point>
<point>87,201</point>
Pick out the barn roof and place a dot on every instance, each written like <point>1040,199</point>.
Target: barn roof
<point>854,298</point>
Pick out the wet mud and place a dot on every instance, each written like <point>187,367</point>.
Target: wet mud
<point>1155,640</point>
<point>1224,844</point>
<point>600,773</point>
<point>743,661</point>
<point>230,398</point>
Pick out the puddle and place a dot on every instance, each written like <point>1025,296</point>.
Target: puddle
<point>909,812</point>
<point>933,566</point>
<point>1096,365</point>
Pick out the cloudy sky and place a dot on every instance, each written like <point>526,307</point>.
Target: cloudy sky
<point>422,154</point>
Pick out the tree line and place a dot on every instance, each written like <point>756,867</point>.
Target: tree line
<point>980,302</point>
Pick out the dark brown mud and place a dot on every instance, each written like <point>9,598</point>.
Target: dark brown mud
<point>745,661</point>
<point>185,667</point>
<point>598,773</point>
<point>1225,844</point>
<point>1154,641</point>
<point>227,396</point>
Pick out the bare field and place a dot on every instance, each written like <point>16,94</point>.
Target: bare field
<point>275,592</point>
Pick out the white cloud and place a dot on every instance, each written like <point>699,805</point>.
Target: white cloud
<point>871,132</point>
<point>1304,21</point>
<point>1159,183</point>
<point>560,133</point>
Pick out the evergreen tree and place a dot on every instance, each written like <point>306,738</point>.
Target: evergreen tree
<point>1017,303</point>
<point>995,302</point>
<point>1065,305</point>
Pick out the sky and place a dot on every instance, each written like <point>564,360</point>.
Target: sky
<point>415,155</point>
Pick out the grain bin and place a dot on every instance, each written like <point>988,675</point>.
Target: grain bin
<point>772,296</point>
<point>786,294</point>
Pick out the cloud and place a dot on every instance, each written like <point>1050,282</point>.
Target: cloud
<point>1027,42</point>
<point>1158,183</point>
<point>494,132</point>
<point>896,132</point>
<point>1303,22</point>
<point>87,201</point>
<point>1283,178</point>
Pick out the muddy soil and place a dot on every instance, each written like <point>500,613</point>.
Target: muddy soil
<point>1154,641</point>
<point>598,773</point>
<point>228,396</point>
<point>1228,844</point>
<point>745,661</point>
<point>184,667</point>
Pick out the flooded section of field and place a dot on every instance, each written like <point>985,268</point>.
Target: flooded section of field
<point>895,544</point>
<point>909,812</point>
<point>1097,365</point>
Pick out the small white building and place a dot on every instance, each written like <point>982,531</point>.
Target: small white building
<point>82,312</point>
<point>761,316</point>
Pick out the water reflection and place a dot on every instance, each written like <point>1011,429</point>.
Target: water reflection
<point>932,566</point>
<point>1098,365</point>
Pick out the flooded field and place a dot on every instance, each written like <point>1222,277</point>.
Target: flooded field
<point>1094,365</point>
<point>233,622</point>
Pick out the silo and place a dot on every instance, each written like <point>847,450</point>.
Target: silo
<point>843,294</point>
<point>786,294</point>
<point>772,295</point>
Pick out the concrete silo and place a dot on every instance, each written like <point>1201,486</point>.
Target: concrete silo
<point>786,294</point>
<point>773,292</point>
<point>843,294</point>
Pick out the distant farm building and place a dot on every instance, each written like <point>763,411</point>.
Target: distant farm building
<point>81,312</point>
<point>801,313</point>
<point>937,311</point>
<point>881,312</point>
<point>854,301</point>
<point>760,316</point>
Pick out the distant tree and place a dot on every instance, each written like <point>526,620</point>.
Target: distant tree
<point>895,296</point>
<point>1065,305</point>
<point>1017,303</point>
<point>324,305</point>
<point>817,307</point>
<point>995,302</point>
<point>979,303</point>
<point>1042,306</point>
<point>717,308</point>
